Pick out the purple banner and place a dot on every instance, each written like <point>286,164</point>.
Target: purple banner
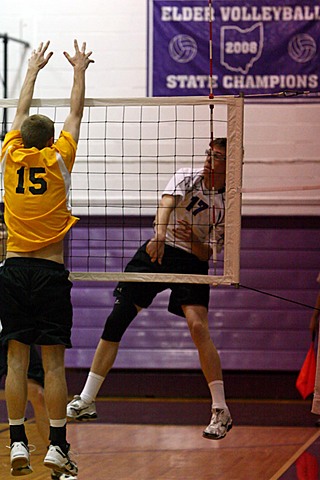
<point>258,47</point>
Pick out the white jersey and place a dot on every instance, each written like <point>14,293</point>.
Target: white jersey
<point>203,209</point>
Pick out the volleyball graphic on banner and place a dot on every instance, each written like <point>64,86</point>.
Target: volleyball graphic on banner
<point>183,48</point>
<point>302,48</point>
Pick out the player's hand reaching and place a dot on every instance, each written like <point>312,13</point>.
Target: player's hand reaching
<point>80,60</point>
<point>38,60</point>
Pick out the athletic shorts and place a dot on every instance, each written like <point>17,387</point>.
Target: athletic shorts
<point>175,260</point>
<point>35,302</point>
<point>35,370</point>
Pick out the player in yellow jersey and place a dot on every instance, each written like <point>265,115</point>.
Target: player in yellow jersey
<point>35,374</point>
<point>35,305</point>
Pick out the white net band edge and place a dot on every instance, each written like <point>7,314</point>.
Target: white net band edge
<point>149,277</point>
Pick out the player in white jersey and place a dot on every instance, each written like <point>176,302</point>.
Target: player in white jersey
<point>188,227</point>
<point>197,206</point>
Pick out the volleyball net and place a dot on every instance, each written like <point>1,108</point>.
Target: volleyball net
<point>127,152</point>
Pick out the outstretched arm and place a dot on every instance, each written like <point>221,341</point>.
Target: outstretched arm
<point>80,62</point>
<point>155,247</point>
<point>36,62</point>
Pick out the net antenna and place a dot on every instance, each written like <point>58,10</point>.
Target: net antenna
<point>211,107</point>
<point>211,96</point>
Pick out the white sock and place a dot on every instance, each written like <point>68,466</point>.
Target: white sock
<point>91,387</point>
<point>58,423</point>
<point>19,421</point>
<point>217,393</point>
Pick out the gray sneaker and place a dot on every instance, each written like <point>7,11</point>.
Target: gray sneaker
<point>220,424</point>
<point>79,410</point>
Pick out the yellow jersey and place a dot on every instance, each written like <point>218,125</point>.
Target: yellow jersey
<point>36,191</point>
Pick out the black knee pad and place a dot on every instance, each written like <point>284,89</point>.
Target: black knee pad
<point>124,311</point>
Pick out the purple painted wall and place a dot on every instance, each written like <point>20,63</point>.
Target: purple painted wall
<point>252,330</point>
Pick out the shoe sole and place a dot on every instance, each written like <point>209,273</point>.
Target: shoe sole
<point>85,417</point>
<point>19,462</point>
<point>210,436</point>
<point>21,472</point>
<point>57,468</point>
<point>50,463</point>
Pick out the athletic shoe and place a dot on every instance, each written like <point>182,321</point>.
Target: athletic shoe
<point>80,410</point>
<point>62,476</point>
<point>221,423</point>
<point>59,461</point>
<point>20,459</point>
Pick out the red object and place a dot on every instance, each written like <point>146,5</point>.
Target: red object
<point>307,376</point>
<point>307,467</point>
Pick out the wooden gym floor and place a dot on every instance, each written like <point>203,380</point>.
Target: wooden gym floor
<point>131,451</point>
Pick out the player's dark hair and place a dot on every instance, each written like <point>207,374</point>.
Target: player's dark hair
<point>36,131</point>
<point>219,142</point>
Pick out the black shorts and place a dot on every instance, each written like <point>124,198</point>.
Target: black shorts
<point>35,302</point>
<point>175,260</point>
<point>35,370</point>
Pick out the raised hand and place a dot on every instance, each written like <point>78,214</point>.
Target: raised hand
<point>38,59</point>
<point>80,59</point>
